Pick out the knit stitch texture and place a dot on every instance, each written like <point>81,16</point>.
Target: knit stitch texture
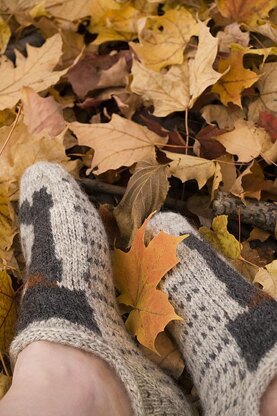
<point>229,334</point>
<point>68,295</point>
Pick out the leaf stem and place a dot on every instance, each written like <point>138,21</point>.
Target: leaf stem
<point>12,129</point>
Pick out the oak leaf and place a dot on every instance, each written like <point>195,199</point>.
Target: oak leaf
<point>246,11</point>
<point>7,311</point>
<point>267,277</point>
<point>221,239</point>
<point>164,38</point>
<point>232,83</point>
<point>247,141</point>
<point>118,143</point>
<point>187,167</point>
<point>145,193</point>
<point>137,275</point>
<point>42,116</point>
<point>35,71</point>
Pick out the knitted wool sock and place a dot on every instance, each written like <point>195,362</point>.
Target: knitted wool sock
<point>69,297</point>
<point>229,334</point>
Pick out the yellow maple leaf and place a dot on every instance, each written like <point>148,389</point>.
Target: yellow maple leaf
<point>221,239</point>
<point>164,38</point>
<point>36,71</point>
<point>7,311</point>
<point>231,84</point>
<point>5,33</point>
<point>137,274</point>
<point>246,11</point>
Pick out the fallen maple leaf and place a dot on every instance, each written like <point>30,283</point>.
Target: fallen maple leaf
<point>137,274</point>
<point>224,117</point>
<point>118,143</point>
<point>35,71</point>
<point>187,167</point>
<point>221,239</point>
<point>246,11</point>
<point>232,83</point>
<point>164,38</point>
<point>269,122</point>
<point>146,192</point>
<point>249,183</point>
<point>8,227</point>
<point>7,311</point>
<point>232,34</point>
<point>247,141</point>
<point>42,116</point>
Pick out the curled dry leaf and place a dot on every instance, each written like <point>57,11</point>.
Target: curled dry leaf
<point>232,34</point>
<point>162,39</point>
<point>187,167</point>
<point>137,274</point>
<point>224,117</point>
<point>36,71</point>
<point>236,79</point>
<point>118,143</point>
<point>249,183</point>
<point>145,193</point>
<point>221,239</point>
<point>42,116</point>
<point>268,278</point>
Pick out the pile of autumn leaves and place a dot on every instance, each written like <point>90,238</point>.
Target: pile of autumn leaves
<point>217,59</point>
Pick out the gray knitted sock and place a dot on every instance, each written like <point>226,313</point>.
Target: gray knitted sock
<point>69,295</point>
<point>229,334</point>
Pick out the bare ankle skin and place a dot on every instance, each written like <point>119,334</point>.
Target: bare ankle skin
<point>63,381</point>
<point>269,400</point>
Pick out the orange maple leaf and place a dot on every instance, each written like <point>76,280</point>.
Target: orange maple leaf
<point>137,274</point>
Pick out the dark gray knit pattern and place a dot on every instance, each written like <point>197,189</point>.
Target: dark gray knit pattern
<point>68,296</point>
<point>229,334</point>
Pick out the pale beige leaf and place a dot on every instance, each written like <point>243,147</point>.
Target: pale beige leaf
<point>246,141</point>
<point>266,85</point>
<point>145,193</point>
<point>35,71</point>
<point>41,115</point>
<point>168,91</point>
<point>268,30</point>
<point>164,38</point>
<point>120,142</point>
<point>232,34</point>
<point>223,116</point>
<point>187,167</point>
<point>268,278</point>
<point>202,74</point>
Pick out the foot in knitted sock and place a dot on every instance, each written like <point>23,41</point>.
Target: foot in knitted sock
<point>228,336</point>
<point>68,296</point>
